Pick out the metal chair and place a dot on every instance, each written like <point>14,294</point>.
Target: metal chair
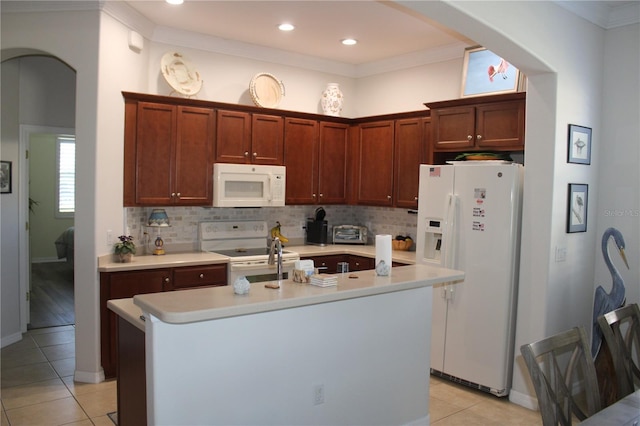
<point>621,331</point>
<point>564,377</point>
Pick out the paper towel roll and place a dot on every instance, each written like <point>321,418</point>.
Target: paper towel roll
<point>383,252</point>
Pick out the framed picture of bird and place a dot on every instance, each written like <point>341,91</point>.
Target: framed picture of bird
<point>577,207</point>
<point>485,73</point>
<point>579,145</point>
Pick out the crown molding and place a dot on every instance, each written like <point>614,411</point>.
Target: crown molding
<point>603,15</point>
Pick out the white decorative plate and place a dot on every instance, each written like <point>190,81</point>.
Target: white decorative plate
<point>266,90</point>
<point>180,74</point>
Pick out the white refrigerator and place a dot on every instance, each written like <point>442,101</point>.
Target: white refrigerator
<point>469,219</point>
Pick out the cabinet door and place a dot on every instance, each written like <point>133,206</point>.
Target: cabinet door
<point>453,128</point>
<point>328,264</point>
<point>199,276</point>
<point>360,263</point>
<point>409,154</point>
<point>500,125</point>
<point>332,172</point>
<point>121,285</point>
<point>194,156</point>
<point>154,153</point>
<point>374,159</point>
<point>267,139</point>
<point>233,137</point>
<point>301,159</point>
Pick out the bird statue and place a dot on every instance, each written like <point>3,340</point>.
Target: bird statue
<point>606,302</point>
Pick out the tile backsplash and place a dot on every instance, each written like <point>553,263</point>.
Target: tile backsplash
<point>182,235</point>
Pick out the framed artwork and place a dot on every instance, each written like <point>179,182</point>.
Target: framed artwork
<point>485,73</point>
<point>577,207</point>
<point>5,177</point>
<point>579,145</point>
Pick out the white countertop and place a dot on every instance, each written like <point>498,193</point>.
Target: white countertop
<point>170,260</point>
<point>127,310</point>
<point>204,304</point>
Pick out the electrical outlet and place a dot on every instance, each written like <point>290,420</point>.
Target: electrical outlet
<point>561,254</point>
<point>318,394</point>
<point>109,237</point>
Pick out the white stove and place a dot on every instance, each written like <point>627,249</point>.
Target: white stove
<point>245,243</point>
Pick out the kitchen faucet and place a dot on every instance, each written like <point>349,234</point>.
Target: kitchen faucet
<point>276,248</point>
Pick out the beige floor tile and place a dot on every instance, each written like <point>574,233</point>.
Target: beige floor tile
<point>27,374</point>
<point>86,422</point>
<point>58,412</point>
<point>26,342</point>
<point>3,420</point>
<point>506,412</point>
<point>78,388</point>
<point>457,395</point>
<point>54,353</point>
<point>52,329</point>
<point>102,421</point>
<point>34,393</point>
<point>466,418</point>
<point>55,338</point>
<point>64,367</point>
<point>16,358</point>
<point>440,409</point>
<point>98,403</point>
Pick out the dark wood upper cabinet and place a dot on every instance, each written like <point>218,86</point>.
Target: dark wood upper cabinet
<point>409,149</point>
<point>332,168</point>
<point>374,163</point>
<point>301,159</point>
<point>168,154</point>
<point>247,138</point>
<point>494,123</point>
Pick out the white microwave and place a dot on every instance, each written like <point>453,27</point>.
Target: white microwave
<point>248,185</point>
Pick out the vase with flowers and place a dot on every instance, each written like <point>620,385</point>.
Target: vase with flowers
<point>125,248</point>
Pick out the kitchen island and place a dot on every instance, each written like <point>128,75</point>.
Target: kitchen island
<point>355,353</point>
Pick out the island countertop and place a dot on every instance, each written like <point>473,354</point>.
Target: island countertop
<point>221,302</point>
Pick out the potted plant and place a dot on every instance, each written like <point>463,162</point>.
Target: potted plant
<point>125,248</point>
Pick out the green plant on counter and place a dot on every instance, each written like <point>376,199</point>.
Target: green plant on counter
<point>126,245</point>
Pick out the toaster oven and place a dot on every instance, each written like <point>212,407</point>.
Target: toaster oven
<point>349,234</point>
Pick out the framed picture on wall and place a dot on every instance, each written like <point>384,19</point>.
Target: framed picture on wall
<point>577,207</point>
<point>5,177</point>
<point>579,144</point>
<point>485,73</point>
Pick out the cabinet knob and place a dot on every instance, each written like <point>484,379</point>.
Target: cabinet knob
<point>469,137</point>
<point>166,279</point>
<point>478,137</point>
<point>201,276</point>
<point>415,198</point>
<point>313,195</point>
<point>178,194</point>
<point>388,197</point>
<point>255,154</point>
<point>246,153</point>
<point>173,194</point>
<point>357,263</point>
<point>321,195</point>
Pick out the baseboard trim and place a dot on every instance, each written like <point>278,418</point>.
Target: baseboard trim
<point>11,339</point>
<point>523,400</point>
<point>88,376</point>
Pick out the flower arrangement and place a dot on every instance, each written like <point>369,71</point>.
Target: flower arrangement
<point>126,245</point>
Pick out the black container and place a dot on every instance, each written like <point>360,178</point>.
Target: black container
<point>316,232</point>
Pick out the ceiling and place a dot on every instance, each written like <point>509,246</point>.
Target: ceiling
<point>383,29</point>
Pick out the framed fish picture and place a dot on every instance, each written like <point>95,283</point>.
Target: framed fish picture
<point>485,73</point>
<point>579,141</point>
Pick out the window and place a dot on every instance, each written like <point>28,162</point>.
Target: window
<point>65,176</point>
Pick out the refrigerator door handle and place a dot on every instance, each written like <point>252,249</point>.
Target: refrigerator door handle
<point>450,215</point>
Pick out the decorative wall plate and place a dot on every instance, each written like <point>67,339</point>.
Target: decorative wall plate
<point>180,74</point>
<point>266,90</point>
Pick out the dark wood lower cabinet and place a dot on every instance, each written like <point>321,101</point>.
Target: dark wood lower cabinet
<point>126,284</point>
<point>329,263</point>
<point>131,375</point>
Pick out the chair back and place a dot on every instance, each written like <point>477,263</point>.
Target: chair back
<point>621,331</point>
<point>564,377</point>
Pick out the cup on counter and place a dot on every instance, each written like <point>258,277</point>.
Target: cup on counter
<point>343,267</point>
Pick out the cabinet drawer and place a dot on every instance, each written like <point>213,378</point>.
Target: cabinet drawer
<point>198,276</point>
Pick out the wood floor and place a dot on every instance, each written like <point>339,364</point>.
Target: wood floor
<point>51,297</point>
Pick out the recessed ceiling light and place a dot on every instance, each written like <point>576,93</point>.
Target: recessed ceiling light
<point>349,41</point>
<point>175,1</point>
<point>286,27</point>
